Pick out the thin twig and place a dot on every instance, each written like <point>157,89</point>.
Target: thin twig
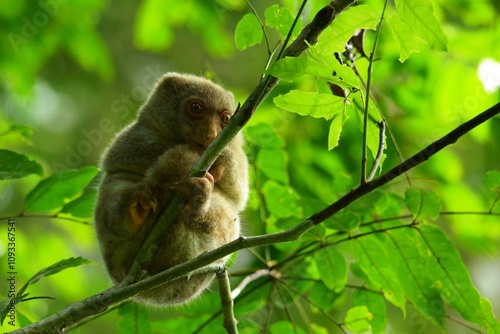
<point>248,279</point>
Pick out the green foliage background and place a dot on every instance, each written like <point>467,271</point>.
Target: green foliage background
<point>72,73</point>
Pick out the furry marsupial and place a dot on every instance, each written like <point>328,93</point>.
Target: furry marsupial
<point>148,163</point>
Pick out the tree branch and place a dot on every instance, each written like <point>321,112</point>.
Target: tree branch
<point>230,322</point>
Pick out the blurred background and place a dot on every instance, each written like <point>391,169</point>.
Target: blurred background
<point>73,73</point>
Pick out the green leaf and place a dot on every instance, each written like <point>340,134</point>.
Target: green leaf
<point>357,319</point>
<point>281,201</point>
<point>272,163</point>
<point>377,264</point>
<point>343,75</point>
<point>415,278</point>
<point>54,269</point>
<point>57,190</point>
<point>263,136</point>
<point>290,68</point>
<point>344,221</point>
<point>334,38</point>
<point>280,19</point>
<point>335,130</point>
<point>134,318</point>
<point>14,165</point>
<point>376,306</point>
<point>451,275</point>
<point>83,206</point>
<point>248,32</point>
<point>310,103</point>
<point>422,204</point>
<point>418,14</point>
<point>332,268</point>
<point>408,43</point>
<point>323,297</point>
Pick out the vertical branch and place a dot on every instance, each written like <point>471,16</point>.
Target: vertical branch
<point>367,97</point>
<point>230,322</point>
<point>290,32</point>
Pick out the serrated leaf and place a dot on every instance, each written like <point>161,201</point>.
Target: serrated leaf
<point>408,43</point>
<point>332,267</point>
<point>335,130</point>
<point>310,103</point>
<point>55,191</point>
<point>357,319</point>
<point>343,74</point>
<point>376,306</point>
<point>280,19</point>
<point>376,263</point>
<point>414,277</point>
<point>83,206</point>
<point>418,14</point>
<point>334,38</point>
<point>273,164</point>
<point>281,201</point>
<point>290,68</point>
<point>451,274</point>
<point>134,318</point>
<point>14,165</point>
<point>422,204</point>
<point>248,32</point>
